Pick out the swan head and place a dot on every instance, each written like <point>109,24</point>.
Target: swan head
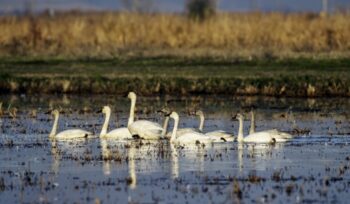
<point>239,116</point>
<point>132,95</point>
<point>106,109</point>
<point>55,112</point>
<point>174,115</point>
<point>199,113</point>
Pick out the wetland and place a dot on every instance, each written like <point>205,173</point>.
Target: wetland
<point>311,168</point>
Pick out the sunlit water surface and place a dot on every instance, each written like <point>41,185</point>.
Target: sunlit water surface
<point>312,168</point>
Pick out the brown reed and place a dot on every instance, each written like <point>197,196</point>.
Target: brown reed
<point>107,34</point>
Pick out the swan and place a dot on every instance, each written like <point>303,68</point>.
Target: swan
<point>219,135</point>
<point>222,135</point>
<point>187,138</point>
<point>142,128</point>
<point>279,136</point>
<point>119,133</point>
<point>258,137</point>
<point>67,134</point>
<point>179,131</point>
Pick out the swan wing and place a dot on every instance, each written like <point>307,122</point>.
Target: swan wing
<point>280,136</point>
<point>119,133</point>
<point>146,129</point>
<point>73,133</point>
<point>222,135</point>
<point>193,138</point>
<point>259,137</point>
<point>182,131</point>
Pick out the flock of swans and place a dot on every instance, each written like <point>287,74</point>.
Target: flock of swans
<point>148,130</point>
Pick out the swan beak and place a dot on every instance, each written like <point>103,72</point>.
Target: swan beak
<point>99,111</point>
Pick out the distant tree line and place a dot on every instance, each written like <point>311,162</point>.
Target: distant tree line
<point>195,9</point>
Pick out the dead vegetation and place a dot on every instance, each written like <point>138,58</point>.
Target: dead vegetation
<point>106,34</point>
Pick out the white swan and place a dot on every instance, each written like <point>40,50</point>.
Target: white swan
<point>187,138</point>
<point>119,133</point>
<point>67,134</point>
<point>180,131</point>
<point>142,128</point>
<point>279,136</point>
<point>258,137</point>
<point>219,135</point>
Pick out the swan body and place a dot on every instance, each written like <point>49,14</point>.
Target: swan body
<point>258,137</point>
<point>189,137</point>
<point>280,136</point>
<point>67,134</point>
<point>194,138</point>
<point>222,135</point>
<point>179,132</point>
<point>146,130</point>
<point>277,135</point>
<point>119,133</point>
<point>182,131</point>
<point>143,128</point>
<point>217,135</point>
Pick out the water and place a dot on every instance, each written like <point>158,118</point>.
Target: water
<point>312,168</point>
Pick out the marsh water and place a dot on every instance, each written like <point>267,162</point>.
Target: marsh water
<point>311,168</point>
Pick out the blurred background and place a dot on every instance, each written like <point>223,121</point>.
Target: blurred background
<point>22,6</point>
<point>242,47</point>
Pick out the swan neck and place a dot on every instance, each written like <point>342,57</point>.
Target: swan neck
<point>105,124</point>
<point>132,111</point>
<point>240,131</point>
<point>252,124</point>
<point>165,125</point>
<point>54,127</point>
<point>201,122</point>
<point>173,134</point>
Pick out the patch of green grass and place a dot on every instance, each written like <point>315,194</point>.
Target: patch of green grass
<point>288,77</point>
<point>172,67</point>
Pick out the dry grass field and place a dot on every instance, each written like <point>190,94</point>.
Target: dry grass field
<point>274,54</point>
<point>110,35</point>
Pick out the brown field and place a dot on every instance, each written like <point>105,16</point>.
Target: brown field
<point>246,35</point>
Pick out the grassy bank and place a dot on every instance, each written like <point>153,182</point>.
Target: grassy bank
<point>77,35</point>
<point>151,76</point>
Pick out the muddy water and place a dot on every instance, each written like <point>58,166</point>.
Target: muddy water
<point>312,168</point>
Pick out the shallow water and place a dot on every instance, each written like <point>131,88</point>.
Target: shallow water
<point>312,168</point>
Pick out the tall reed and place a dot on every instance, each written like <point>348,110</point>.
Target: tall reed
<point>106,34</point>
